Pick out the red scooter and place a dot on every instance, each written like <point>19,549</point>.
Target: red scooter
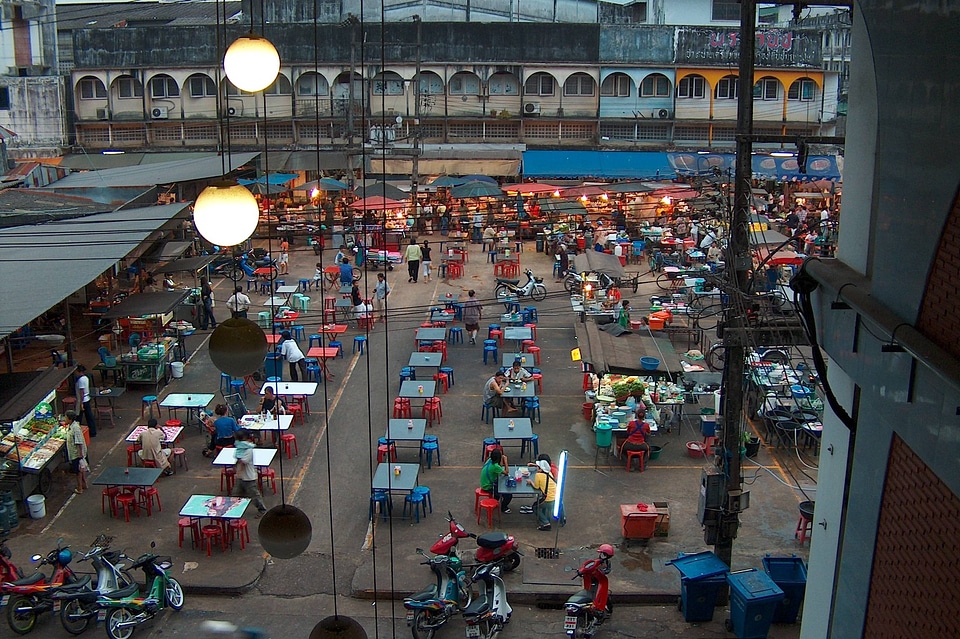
<point>493,547</point>
<point>31,596</point>
<point>589,608</point>
<point>8,570</point>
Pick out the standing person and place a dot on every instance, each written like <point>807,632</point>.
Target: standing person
<point>472,313</point>
<point>151,447</point>
<point>246,485</point>
<point>623,316</point>
<point>564,259</point>
<point>495,466</point>
<point>206,306</point>
<point>76,450</point>
<point>82,382</point>
<point>294,356</point>
<point>380,292</point>
<point>545,482</point>
<point>318,276</point>
<point>238,303</point>
<point>477,227</point>
<point>427,262</point>
<point>346,272</point>
<point>413,254</point>
<point>284,262</point>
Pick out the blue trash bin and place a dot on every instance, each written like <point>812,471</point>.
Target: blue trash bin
<point>273,365</point>
<point>790,573</point>
<point>702,575</point>
<point>753,599</point>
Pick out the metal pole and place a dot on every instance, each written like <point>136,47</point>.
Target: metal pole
<point>350,96</point>
<point>69,330</point>
<point>738,257</point>
<point>415,176</point>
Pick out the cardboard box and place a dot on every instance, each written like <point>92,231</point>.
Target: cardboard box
<point>662,527</point>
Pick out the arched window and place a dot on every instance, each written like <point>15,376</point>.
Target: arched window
<point>541,84</point>
<point>312,83</point>
<point>127,87</point>
<point>430,83</point>
<point>692,86</point>
<point>503,84</point>
<point>280,86</point>
<point>579,84</point>
<point>766,89</point>
<point>91,88</point>
<point>802,90</point>
<point>465,83</point>
<point>388,83</point>
<point>163,86</point>
<point>727,87</point>
<point>655,85</point>
<point>201,86</point>
<point>616,85</point>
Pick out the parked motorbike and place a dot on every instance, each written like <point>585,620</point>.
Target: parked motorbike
<point>244,265</point>
<point>493,547</point>
<point>125,613</point>
<point>532,288</point>
<point>574,282</point>
<point>489,612</point>
<point>28,597</point>
<point>433,606</point>
<point>8,570</point>
<point>80,607</point>
<point>589,608</point>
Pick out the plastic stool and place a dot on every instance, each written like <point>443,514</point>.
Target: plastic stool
<point>432,410</point>
<point>489,441</point>
<point>305,284</point>
<point>490,351</point>
<point>488,412</point>
<point>225,380</point>
<point>286,440</point>
<point>534,442</point>
<point>299,331</point>
<point>525,344</point>
<point>149,401</point>
<point>416,502</point>
<point>533,312</point>
<point>252,283</point>
<point>240,529</point>
<point>338,346</point>
<point>274,379</point>
<point>315,337</point>
<point>407,373</point>
<point>490,505</point>
<point>531,408</point>
<point>269,474</point>
<point>479,495</point>
<point>110,494</point>
<point>228,475</point>
<point>456,335</point>
<point>358,343</point>
<point>449,373</point>
<point>132,457</point>
<point>804,529</point>
<point>532,327</point>
<point>68,403</point>
<point>193,524</point>
<point>538,380</point>
<point>491,329</point>
<point>386,451</point>
<point>238,387</point>
<point>425,491</point>
<point>128,502</point>
<point>314,373</point>
<point>180,458</point>
<point>402,408</point>
<point>147,495</point>
<point>296,410</point>
<point>208,534</point>
<point>442,380</point>
<point>263,319</point>
<point>635,453</point>
<point>383,500</point>
<point>535,351</point>
<point>104,414</point>
<point>429,448</point>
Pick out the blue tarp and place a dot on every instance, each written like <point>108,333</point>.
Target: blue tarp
<point>275,178</point>
<point>765,167</point>
<point>610,165</point>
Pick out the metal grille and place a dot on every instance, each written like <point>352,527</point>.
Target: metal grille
<point>548,553</point>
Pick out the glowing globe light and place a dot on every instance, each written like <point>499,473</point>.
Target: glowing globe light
<point>226,213</point>
<point>251,63</point>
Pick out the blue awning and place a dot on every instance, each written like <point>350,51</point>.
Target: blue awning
<point>609,165</point>
<point>765,167</point>
<point>274,178</point>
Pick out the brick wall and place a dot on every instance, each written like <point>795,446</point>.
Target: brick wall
<point>940,308</point>
<point>916,563</point>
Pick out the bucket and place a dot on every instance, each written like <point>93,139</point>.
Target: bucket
<point>655,452</point>
<point>696,449</point>
<point>109,361</point>
<point>588,411</point>
<point>37,506</point>
<point>656,323</point>
<point>635,325</point>
<point>176,369</point>
<point>604,435</point>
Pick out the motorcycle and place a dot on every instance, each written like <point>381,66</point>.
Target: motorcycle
<point>574,282</point>
<point>79,607</point>
<point>489,612</point>
<point>124,613</point>
<point>493,547</point>
<point>589,608</point>
<point>28,597</point>
<point>533,288</point>
<point>245,264</point>
<point>433,606</point>
<point>8,570</point>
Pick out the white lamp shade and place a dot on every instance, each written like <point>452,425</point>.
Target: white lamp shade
<point>226,214</point>
<point>251,63</point>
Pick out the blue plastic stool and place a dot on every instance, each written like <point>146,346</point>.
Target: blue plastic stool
<point>428,448</point>
<point>298,331</point>
<point>314,372</point>
<point>382,498</point>
<point>239,387</point>
<point>533,313</point>
<point>407,374</point>
<point>338,346</point>
<point>488,412</point>
<point>458,311</point>
<point>492,257</point>
<point>315,337</point>
<point>225,380</point>
<point>534,442</point>
<point>280,283</point>
<point>513,307</point>
<point>275,380</point>
<point>488,441</point>
<point>490,350</point>
<point>252,283</point>
<point>531,408</point>
<point>358,343</point>
<point>492,327</point>
<point>425,491</point>
<point>525,315</point>
<point>149,401</point>
<point>305,284</point>
<point>449,371</point>
<point>415,501</point>
<point>456,335</point>
<point>431,438</point>
<point>265,287</point>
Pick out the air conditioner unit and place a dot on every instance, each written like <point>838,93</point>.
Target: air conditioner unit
<point>103,114</point>
<point>531,108</point>
<point>663,114</point>
<point>160,113</point>
<point>234,111</point>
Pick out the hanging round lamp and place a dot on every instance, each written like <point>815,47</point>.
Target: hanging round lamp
<point>226,213</point>
<point>251,63</point>
<point>338,627</point>
<point>238,346</point>
<point>285,531</point>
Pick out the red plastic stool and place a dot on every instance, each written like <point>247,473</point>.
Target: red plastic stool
<point>146,497</point>
<point>432,410</point>
<point>535,351</point>
<point>634,453</point>
<point>489,448</point>
<point>489,505</point>
<point>132,457</point>
<point>496,334</point>
<point>128,502</point>
<point>179,459</point>
<point>193,524</point>
<point>68,403</point>
<point>110,493</point>
<point>173,423</point>
<point>402,409</point>
<point>527,343</point>
<point>240,530</point>
<point>268,474</point>
<point>442,379</point>
<point>289,438</point>
<point>208,534</point>
<point>533,331</point>
<point>587,382</point>
<point>385,451</point>
<point>479,494</point>
<point>804,529</point>
<point>538,378</point>
<point>228,474</point>
<point>297,411</point>
<point>440,346</point>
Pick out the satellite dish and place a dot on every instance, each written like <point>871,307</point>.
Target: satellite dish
<point>399,120</point>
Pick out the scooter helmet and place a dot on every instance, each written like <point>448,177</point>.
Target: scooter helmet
<point>606,550</point>
<point>64,557</point>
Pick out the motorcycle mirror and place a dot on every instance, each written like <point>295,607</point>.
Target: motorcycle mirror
<point>153,544</point>
<point>59,541</point>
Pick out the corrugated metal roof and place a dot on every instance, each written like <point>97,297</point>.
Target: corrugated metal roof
<point>148,175</point>
<point>103,15</point>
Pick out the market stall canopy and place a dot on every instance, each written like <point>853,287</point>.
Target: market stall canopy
<point>621,354</point>
<point>627,187</point>
<point>761,238</point>
<point>530,188</point>
<point>259,188</point>
<point>377,202</point>
<point>168,252</point>
<point>477,177</point>
<point>585,190</point>
<point>286,161</point>
<point>764,167</point>
<point>560,207</point>
<point>273,178</point>
<point>381,189</point>
<point>81,255</point>
<point>595,262</point>
<point>447,180</point>
<point>143,304</point>
<point>147,175</point>
<point>186,265</point>
<point>21,392</point>
<point>610,165</point>
<point>323,184</point>
<point>476,188</point>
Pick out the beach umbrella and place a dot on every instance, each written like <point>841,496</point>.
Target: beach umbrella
<point>477,178</point>
<point>476,189</point>
<point>323,184</point>
<point>528,188</point>
<point>381,189</point>
<point>446,180</point>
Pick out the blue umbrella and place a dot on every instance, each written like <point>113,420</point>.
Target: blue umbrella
<point>477,178</point>
<point>446,180</point>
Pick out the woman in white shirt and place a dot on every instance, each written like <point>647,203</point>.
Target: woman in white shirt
<point>294,356</point>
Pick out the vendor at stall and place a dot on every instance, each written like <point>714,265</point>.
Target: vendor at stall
<point>637,430</point>
<point>623,315</point>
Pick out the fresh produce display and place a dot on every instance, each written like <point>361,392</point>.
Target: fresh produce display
<point>36,443</point>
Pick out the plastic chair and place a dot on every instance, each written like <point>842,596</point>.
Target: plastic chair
<point>429,448</point>
<point>425,491</point>
<point>359,342</point>
<point>416,502</point>
<point>488,505</point>
<point>449,372</point>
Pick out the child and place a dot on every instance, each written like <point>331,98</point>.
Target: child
<point>318,276</point>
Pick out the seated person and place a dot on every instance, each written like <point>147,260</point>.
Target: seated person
<point>637,430</point>
<point>613,297</point>
<point>168,283</point>
<point>225,428</point>
<point>270,402</point>
<point>517,373</point>
<point>151,447</point>
<point>493,393</point>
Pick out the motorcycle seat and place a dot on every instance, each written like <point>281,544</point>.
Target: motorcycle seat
<point>424,595</point>
<point>29,581</point>
<point>582,597</point>
<point>127,591</point>
<point>478,606</point>
<point>81,582</point>
<point>492,540</point>
<point>510,282</point>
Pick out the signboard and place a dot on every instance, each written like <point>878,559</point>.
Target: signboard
<point>774,47</point>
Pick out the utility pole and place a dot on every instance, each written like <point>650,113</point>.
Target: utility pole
<point>415,176</point>
<point>350,90</point>
<point>739,261</point>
